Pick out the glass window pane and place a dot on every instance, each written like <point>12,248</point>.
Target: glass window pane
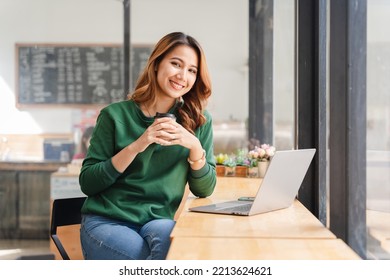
<point>378,129</point>
<point>284,47</point>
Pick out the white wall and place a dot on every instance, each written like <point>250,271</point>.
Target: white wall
<point>221,26</point>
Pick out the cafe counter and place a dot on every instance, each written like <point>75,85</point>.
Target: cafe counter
<point>25,198</point>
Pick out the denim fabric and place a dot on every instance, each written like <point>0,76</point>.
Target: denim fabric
<point>107,239</point>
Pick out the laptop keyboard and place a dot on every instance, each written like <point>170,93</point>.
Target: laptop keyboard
<point>238,208</point>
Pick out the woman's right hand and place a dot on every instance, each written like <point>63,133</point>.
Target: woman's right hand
<point>160,132</point>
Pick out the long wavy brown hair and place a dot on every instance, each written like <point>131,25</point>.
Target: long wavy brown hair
<point>191,112</point>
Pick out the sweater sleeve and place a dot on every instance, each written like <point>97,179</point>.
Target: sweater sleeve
<point>202,182</point>
<point>97,172</point>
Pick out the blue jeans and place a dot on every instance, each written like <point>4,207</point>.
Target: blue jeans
<point>107,239</point>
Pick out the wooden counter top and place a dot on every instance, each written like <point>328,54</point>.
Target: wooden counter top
<point>31,165</point>
<point>293,222</point>
<point>290,233</point>
<point>226,248</point>
<point>65,174</point>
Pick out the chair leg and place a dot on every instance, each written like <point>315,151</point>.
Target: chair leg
<point>60,248</point>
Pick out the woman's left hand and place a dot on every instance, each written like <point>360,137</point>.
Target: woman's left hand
<point>176,134</point>
<point>173,133</point>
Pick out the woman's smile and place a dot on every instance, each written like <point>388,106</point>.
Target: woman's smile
<point>176,85</point>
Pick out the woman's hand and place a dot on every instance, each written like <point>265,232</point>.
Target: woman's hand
<point>168,132</point>
<point>159,132</point>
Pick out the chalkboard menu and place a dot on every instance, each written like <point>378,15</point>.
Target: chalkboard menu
<point>74,74</point>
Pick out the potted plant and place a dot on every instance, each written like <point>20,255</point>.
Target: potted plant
<point>253,168</point>
<point>230,166</point>
<point>242,163</point>
<point>263,154</point>
<point>219,160</point>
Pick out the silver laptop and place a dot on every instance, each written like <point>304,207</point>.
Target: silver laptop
<point>278,189</point>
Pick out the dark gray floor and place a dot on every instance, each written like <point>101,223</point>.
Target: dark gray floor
<point>25,249</point>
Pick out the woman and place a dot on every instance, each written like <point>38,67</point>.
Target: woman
<point>137,166</point>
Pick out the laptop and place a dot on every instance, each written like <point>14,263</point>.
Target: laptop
<point>278,188</point>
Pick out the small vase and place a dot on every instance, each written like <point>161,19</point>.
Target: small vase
<point>241,171</point>
<point>263,165</point>
<point>220,169</point>
<point>253,172</point>
<point>230,171</point>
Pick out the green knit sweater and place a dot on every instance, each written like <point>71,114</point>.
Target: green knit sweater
<point>153,184</point>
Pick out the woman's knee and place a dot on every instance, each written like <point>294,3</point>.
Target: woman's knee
<point>162,227</point>
<point>157,235</point>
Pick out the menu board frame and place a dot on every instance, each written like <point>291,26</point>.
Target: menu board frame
<point>47,75</point>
